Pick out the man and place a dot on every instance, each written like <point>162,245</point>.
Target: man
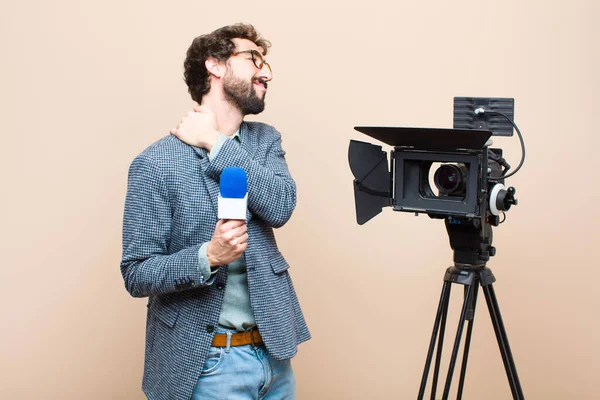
<point>223,317</point>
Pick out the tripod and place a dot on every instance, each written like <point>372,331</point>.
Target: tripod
<point>472,278</point>
<point>472,273</point>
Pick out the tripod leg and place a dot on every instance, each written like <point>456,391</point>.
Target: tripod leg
<point>507,358</point>
<point>442,310</point>
<point>471,319</point>
<point>440,346</point>
<point>461,325</point>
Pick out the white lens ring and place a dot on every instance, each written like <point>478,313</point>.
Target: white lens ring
<point>494,198</point>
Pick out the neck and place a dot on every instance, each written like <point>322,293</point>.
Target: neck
<point>229,118</point>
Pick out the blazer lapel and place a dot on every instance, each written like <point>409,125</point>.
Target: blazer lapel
<point>246,144</point>
<point>212,186</point>
<point>246,139</point>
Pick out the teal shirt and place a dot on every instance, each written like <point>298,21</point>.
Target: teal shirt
<point>236,311</point>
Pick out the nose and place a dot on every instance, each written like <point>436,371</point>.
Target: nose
<point>265,73</point>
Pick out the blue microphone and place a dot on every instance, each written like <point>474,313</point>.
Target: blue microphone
<point>233,194</point>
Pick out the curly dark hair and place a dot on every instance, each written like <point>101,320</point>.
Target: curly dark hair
<point>216,44</point>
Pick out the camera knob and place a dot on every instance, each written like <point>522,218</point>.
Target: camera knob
<point>509,198</point>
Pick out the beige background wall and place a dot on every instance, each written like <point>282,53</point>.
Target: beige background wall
<point>86,86</point>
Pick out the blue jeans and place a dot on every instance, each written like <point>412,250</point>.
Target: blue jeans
<point>244,372</point>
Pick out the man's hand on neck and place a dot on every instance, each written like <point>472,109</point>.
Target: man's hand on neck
<point>202,127</point>
<point>198,128</point>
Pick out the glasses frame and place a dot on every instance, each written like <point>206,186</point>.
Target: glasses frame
<point>260,63</point>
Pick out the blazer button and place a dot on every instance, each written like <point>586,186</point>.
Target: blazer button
<point>210,328</point>
<point>220,285</point>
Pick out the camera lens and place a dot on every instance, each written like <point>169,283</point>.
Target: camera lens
<point>450,179</point>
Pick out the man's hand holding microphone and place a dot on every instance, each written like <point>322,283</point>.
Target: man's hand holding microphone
<point>230,238</point>
<point>228,242</point>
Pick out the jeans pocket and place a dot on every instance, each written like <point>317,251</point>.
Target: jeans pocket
<point>213,361</point>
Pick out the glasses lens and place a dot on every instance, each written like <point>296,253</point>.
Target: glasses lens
<point>259,62</point>
<point>257,58</point>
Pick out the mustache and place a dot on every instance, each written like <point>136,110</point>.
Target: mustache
<point>262,81</point>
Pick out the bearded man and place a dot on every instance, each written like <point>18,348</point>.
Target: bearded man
<point>223,318</point>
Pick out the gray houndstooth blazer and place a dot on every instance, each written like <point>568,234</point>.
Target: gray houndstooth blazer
<point>170,210</point>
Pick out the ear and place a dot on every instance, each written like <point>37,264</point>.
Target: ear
<point>215,67</point>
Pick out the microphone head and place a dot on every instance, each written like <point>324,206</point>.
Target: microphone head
<point>233,183</point>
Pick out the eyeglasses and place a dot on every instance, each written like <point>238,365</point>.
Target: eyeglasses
<point>257,58</point>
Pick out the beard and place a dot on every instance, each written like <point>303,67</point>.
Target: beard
<point>241,94</point>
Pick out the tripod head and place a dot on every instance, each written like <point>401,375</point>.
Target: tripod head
<point>471,238</point>
<point>471,241</point>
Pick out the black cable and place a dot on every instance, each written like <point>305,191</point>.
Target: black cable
<point>504,219</point>
<point>520,138</point>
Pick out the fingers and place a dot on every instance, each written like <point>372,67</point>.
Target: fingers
<point>233,234</point>
<point>185,119</point>
<point>178,132</point>
<point>231,228</point>
<point>202,109</point>
<point>238,233</point>
<point>231,224</point>
<point>175,131</point>
<point>237,240</point>
<point>242,247</point>
<point>197,127</point>
<point>240,230</point>
<point>229,241</point>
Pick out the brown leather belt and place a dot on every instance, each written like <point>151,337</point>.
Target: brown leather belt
<point>238,339</point>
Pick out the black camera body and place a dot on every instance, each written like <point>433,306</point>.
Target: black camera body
<point>461,179</point>
<point>449,174</point>
<point>458,179</point>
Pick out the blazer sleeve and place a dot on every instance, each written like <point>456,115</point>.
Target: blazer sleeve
<point>146,266</point>
<point>271,189</point>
